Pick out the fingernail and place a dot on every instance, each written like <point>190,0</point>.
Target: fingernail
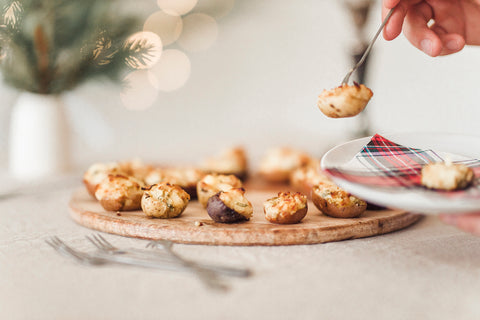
<point>426,46</point>
<point>452,45</point>
<point>449,219</point>
<point>387,28</point>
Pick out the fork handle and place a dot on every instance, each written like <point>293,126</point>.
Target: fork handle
<point>370,45</point>
<point>155,256</point>
<point>228,271</point>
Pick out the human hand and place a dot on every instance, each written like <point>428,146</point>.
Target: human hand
<point>455,23</point>
<point>469,222</point>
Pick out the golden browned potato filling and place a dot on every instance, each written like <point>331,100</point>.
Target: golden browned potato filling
<point>211,184</point>
<point>235,200</point>
<point>286,202</point>
<point>337,195</point>
<point>344,101</point>
<point>181,176</point>
<point>308,175</point>
<point>116,186</point>
<point>228,161</point>
<point>446,176</point>
<point>164,200</point>
<point>283,159</point>
<point>99,171</point>
<point>117,192</point>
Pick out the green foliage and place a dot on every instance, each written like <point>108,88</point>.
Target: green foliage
<point>51,46</point>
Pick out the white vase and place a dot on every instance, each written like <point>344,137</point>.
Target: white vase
<point>38,141</point>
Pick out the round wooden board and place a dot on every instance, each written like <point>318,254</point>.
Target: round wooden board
<point>314,228</point>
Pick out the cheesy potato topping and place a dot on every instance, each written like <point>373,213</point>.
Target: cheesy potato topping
<point>184,176</point>
<point>336,195</point>
<point>118,192</point>
<point>277,163</point>
<point>211,184</point>
<point>235,200</point>
<point>98,172</point>
<point>181,176</point>
<point>229,161</point>
<point>307,177</point>
<point>136,168</point>
<point>285,207</point>
<point>155,176</point>
<point>344,101</point>
<point>164,200</point>
<point>446,176</point>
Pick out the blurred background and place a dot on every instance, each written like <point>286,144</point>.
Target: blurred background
<point>244,72</point>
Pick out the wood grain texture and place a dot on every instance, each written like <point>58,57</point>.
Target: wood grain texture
<point>314,228</point>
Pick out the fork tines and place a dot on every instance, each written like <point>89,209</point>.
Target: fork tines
<point>100,242</point>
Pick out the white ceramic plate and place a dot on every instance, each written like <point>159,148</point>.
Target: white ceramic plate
<point>412,201</point>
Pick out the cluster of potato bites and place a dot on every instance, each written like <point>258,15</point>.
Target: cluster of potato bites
<point>218,187</point>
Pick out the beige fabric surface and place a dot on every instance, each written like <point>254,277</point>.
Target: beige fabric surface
<point>428,271</point>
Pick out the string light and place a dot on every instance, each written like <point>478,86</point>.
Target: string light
<point>169,70</point>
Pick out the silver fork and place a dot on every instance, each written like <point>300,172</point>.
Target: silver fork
<point>104,245</point>
<point>208,277</point>
<point>90,259</point>
<point>228,271</point>
<point>68,251</point>
<point>107,248</point>
<point>370,45</point>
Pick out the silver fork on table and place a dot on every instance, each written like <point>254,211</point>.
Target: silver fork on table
<point>205,274</point>
<point>81,257</point>
<point>95,259</point>
<point>103,258</point>
<point>208,277</point>
<point>167,255</point>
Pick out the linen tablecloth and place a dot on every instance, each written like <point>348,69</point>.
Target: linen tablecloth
<point>427,271</point>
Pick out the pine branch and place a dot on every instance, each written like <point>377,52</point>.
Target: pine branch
<point>138,53</point>
<point>50,46</point>
<point>12,12</point>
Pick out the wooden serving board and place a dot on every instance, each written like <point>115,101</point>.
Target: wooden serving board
<point>195,226</point>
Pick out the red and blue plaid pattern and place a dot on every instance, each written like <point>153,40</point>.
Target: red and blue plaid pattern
<point>384,163</point>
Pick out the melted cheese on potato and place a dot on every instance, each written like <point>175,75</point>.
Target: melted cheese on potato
<point>285,203</point>
<point>344,101</point>
<point>307,176</point>
<point>125,191</point>
<point>446,176</point>
<point>99,171</point>
<point>283,159</point>
<point>164,200</point>
<point>235,200</point>
<point>229,161</point>
<point>336,195</point>
<point>211,184</point>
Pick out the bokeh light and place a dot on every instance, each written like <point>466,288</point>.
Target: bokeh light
<point>138,92</point>
<point>171,72</point>
<point>155,52</point>
<point>199,32</point>
<point>215,8</point>
<point>167,26</point>
<point>179,7</point>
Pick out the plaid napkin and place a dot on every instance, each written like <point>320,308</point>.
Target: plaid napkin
<point>383,163</point>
